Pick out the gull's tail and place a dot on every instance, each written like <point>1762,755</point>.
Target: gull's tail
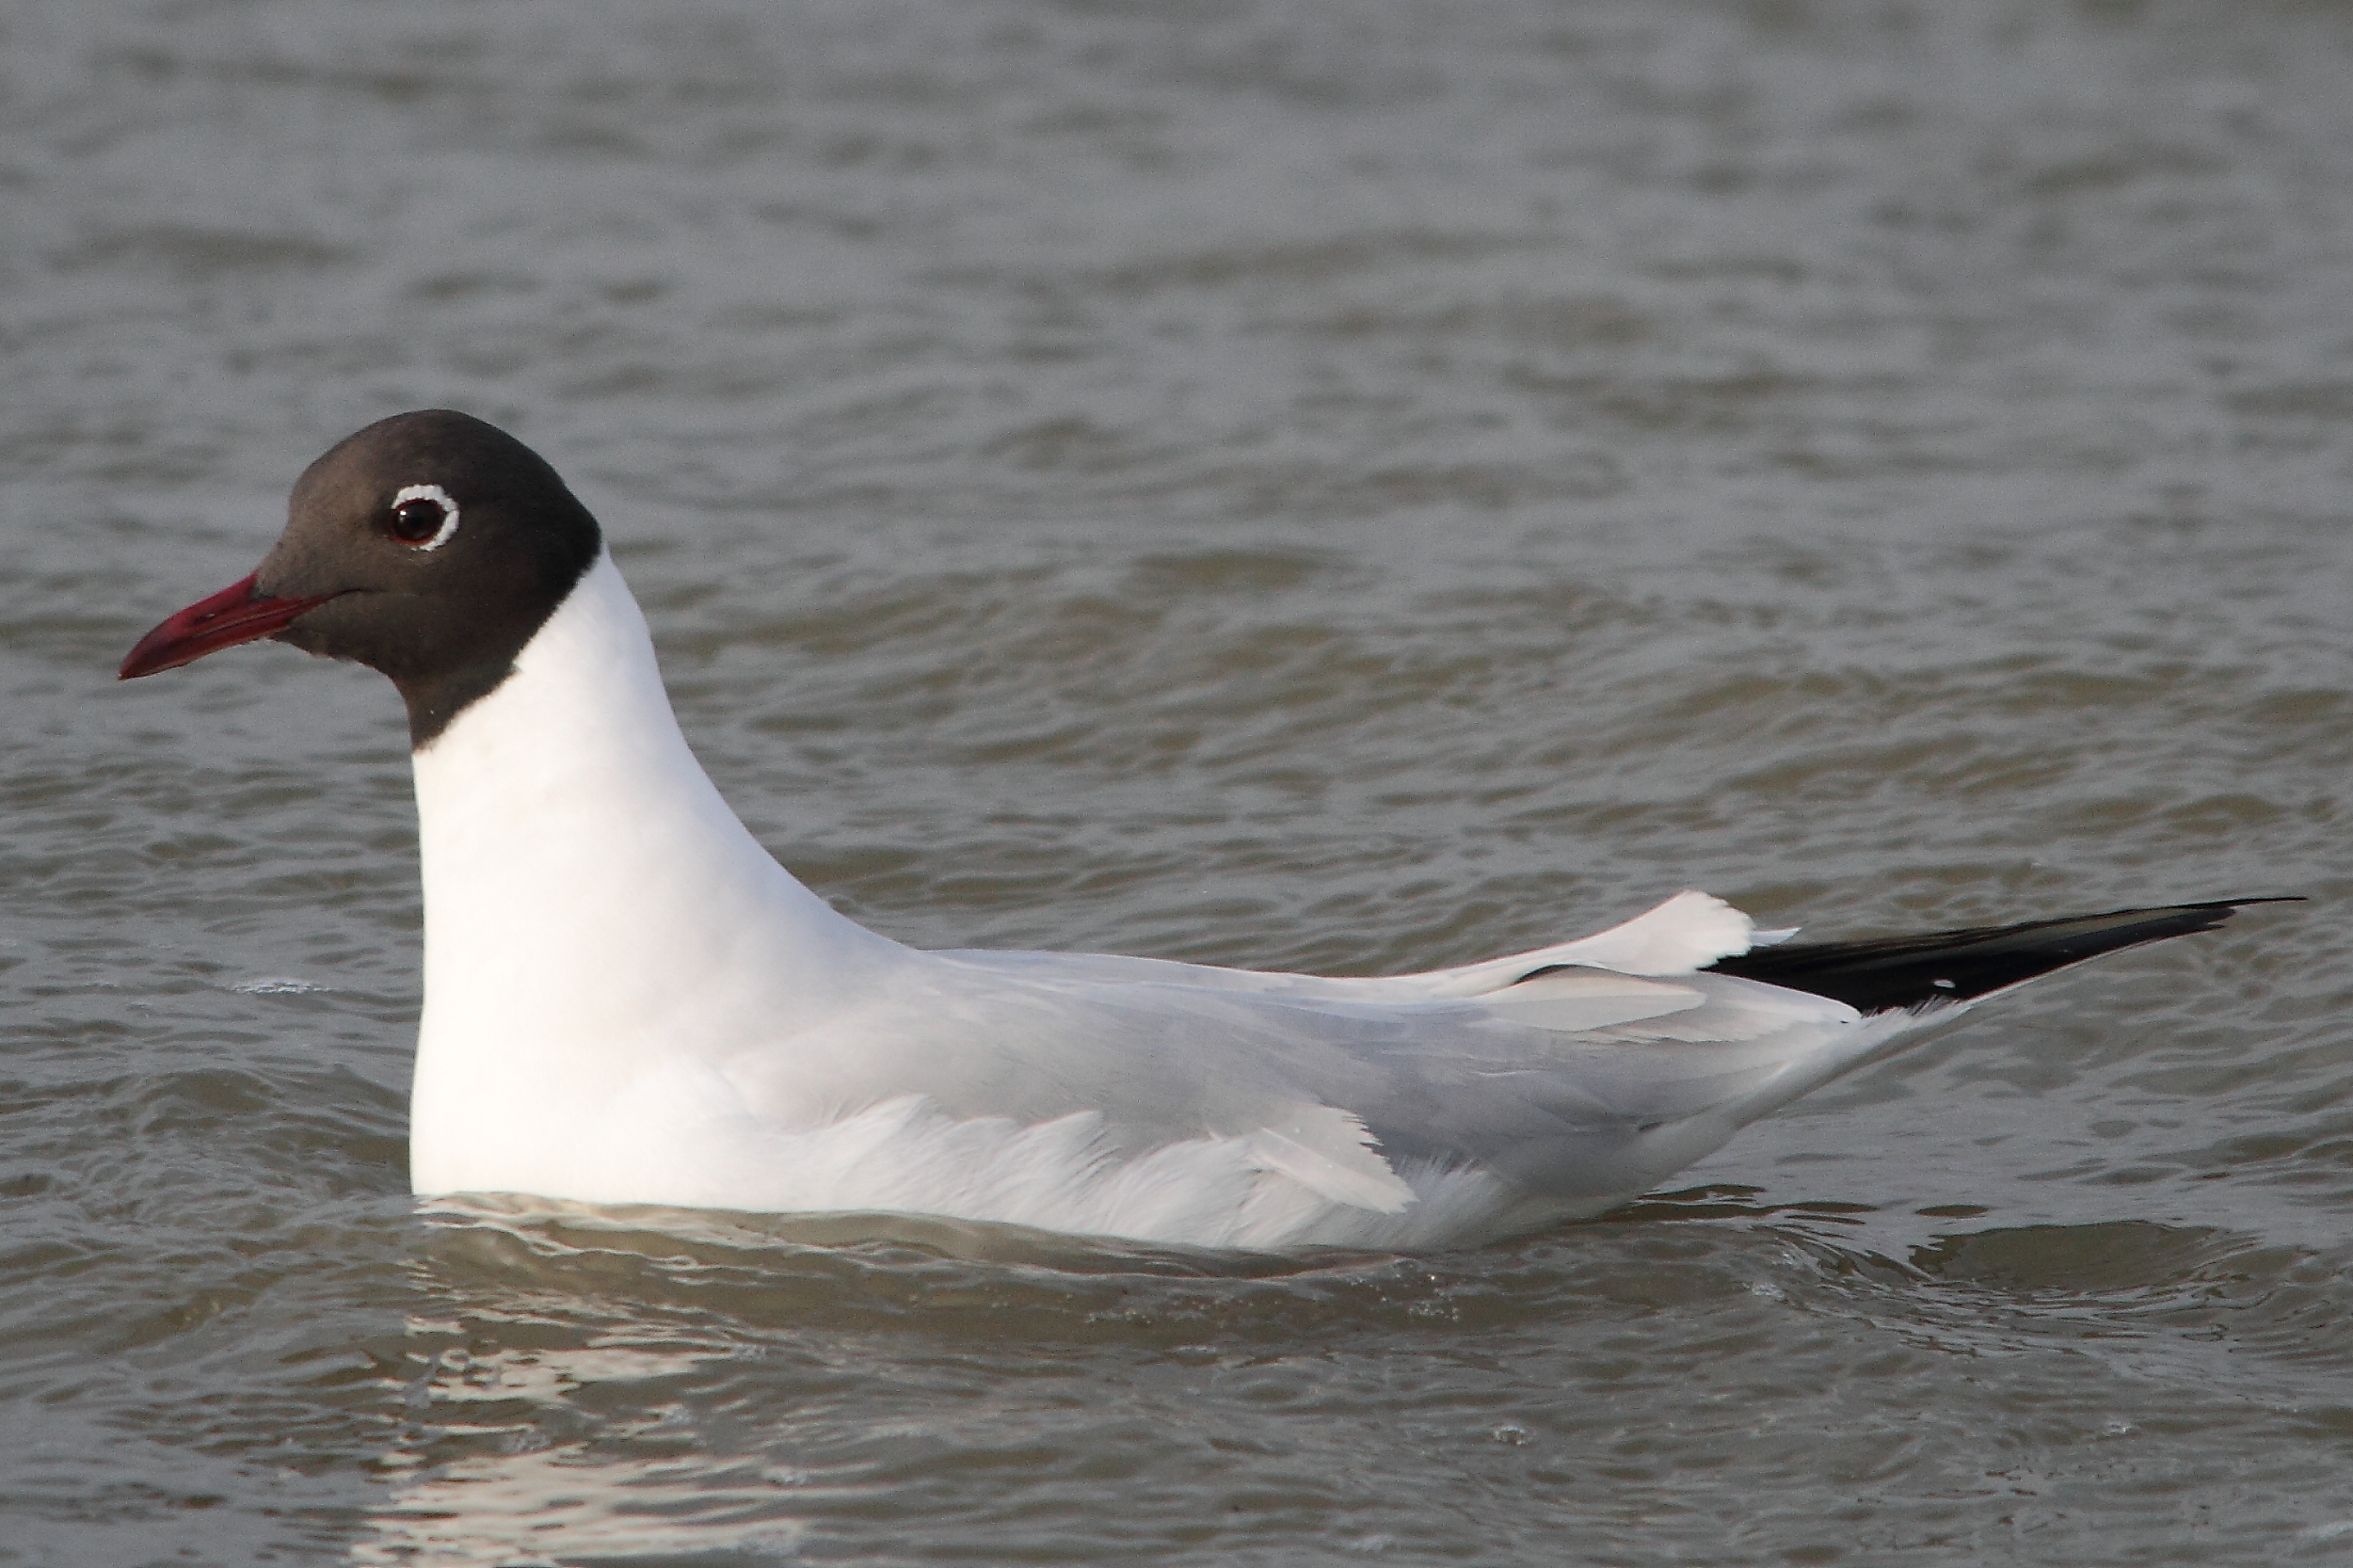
<point>1885,973</point>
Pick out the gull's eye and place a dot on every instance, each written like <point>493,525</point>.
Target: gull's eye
<point>422,517</point>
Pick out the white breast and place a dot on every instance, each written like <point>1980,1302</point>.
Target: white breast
<point>594,915</point>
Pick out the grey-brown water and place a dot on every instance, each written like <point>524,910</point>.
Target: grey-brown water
<point>1352,487</point>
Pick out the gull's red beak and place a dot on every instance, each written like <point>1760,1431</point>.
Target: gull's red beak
<point>235,615</point>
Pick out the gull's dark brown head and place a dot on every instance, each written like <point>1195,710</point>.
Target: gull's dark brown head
<point>429,546</point>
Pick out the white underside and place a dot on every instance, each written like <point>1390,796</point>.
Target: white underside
<point>627,1000</point>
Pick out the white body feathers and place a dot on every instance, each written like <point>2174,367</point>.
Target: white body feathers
<point>627,1000</point>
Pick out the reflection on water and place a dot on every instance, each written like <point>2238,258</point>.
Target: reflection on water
<point>528,1508</point>
<point>496,1482</point>
<point>594,1385</point>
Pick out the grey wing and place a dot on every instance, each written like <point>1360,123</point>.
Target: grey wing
<point>1558,1082</point>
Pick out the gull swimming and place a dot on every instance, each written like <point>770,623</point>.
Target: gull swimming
<point>629,1001</point>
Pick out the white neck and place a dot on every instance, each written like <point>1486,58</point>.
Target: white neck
<point>590,902</point>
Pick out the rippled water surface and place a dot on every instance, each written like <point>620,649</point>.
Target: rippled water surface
<point>1344,485</point>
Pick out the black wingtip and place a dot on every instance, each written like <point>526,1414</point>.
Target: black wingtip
<point>1881,974</point>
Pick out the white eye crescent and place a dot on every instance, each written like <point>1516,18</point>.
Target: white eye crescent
<point>423,517</point>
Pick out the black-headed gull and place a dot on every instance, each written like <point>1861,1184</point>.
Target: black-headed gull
<point>627,1000</point>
